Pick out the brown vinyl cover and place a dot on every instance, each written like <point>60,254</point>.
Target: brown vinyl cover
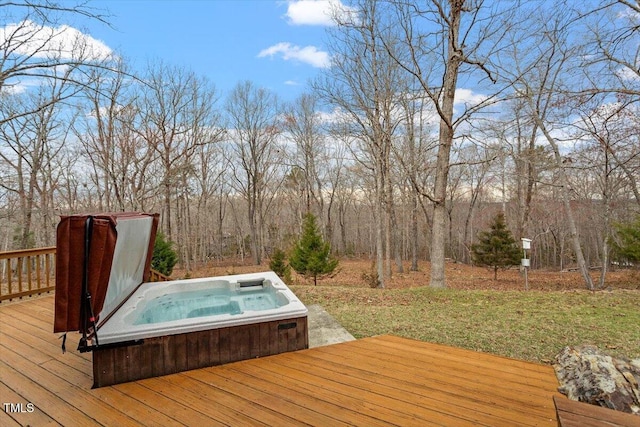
<point>70,242</point>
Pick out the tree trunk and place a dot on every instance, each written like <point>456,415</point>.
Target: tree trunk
<point>253,227</point>
<point>606,220</point>
<point>414,233</point>
<point>394,231</point>
<point>167,208</point>
<point>445,142</point>
<point>379,224</point>
<point>388,239</point>
<point>566,202</point>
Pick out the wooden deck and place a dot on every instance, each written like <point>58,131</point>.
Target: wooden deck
<point>379,381</point>
<point>579,414</point>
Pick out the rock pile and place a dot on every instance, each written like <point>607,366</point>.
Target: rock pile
<point>588,375</point>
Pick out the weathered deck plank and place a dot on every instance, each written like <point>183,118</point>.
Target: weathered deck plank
<point>478,407</point>
<point>35,418</point>
<point>382,380</point>
<point>579,414</point>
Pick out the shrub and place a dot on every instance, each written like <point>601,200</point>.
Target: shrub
<point>164,256</point>
<point>279,265</point>
<point>496,247</point>
<point>626,243</point>
<point>311,255</point>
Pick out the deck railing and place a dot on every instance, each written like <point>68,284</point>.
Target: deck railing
<point>156,276</point>
<point>27,272</point>
<point>32,271</point>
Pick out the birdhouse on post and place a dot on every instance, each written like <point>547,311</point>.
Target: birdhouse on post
<point>526,246</point>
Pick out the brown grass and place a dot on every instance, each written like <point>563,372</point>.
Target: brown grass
<point>458,276</point>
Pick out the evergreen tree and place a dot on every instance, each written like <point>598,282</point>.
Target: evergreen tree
<point>627,241</point>
<point>311,255</point>
<point>496,247</point>
<point>279,265</point>
<point>164,256</point>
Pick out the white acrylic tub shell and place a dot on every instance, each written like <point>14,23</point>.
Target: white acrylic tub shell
<point>120,327</point>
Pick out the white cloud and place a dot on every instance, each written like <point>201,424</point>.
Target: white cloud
<point>628,74</point>
<point>468,97</point>
<point>337,115</point>
<point>17,86</point>
<point>308,54</point>
<point>630,14</point>
<point>291,83</point>
<point>316,12</point>
<point>13,89</point>
<point>30,39</point>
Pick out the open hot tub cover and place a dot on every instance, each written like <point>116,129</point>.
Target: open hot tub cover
<point>106,252</point>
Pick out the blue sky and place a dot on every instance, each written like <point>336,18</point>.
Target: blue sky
<point>277,44</point>
<point>221,39</point>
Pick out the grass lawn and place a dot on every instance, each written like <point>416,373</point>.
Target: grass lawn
<point>532,325</point>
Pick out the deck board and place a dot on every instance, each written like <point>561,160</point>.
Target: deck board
<point>384,380</point>
<point>579,414</point>
<point>437,396</point>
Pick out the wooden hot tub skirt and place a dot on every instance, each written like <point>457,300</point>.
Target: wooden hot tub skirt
<point>176,353</point>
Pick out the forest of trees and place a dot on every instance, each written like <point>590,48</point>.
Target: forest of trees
<point>434,116</point>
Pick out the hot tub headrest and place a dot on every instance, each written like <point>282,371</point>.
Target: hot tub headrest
<point>254,283</point>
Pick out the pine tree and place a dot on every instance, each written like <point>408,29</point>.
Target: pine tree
<point>311,255</point>
<point>496,248</point>
<point>279,265</point>
<point>626,244</point>
<point>164,256</point>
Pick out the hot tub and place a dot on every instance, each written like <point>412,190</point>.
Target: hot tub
<point>185,306</point>
<point>169,327</point>
<point>146,329</point>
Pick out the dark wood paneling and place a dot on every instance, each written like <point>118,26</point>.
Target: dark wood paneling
<point>254,342</point>
<point>179,343</point>
<point>169,356</point>
<point>103,368</point>
<point>223,342</point>
<point>156,347</point>
<point>204,359</point>
<point>135,363</point>
<point>214,347</point>
<point>192,350</point>
<point>176,353</point>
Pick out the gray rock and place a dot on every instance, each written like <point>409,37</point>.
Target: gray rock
<point>588,375</point>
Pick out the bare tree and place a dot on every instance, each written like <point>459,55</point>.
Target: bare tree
<point>415,156</point>
<point>612,37</point>
<point>541,74</point>
<point>32,46</point>
<point>210,191</point>
<point>303,124</point>
<point>253,130</point>
<point>119,158</point>
<point>612,32</point>
<point>607,159</point>
<point>33,142</point>
<point>362,85</point>
<point>442,39</point>
<point>178,115</point>
<point>344,187</point>
<point>471,166</point>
